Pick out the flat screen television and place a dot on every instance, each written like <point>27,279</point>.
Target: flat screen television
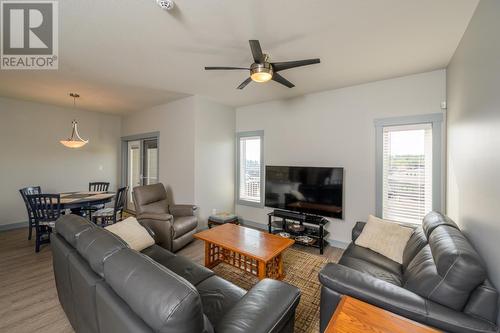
<point>310,190</point>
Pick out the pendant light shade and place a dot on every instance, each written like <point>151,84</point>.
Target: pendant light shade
<point>75,141</point>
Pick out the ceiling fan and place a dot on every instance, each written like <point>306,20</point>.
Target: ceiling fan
<point>262,70</point>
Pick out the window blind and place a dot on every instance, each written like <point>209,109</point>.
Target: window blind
<point>407,172</point>
<point>250,169</point>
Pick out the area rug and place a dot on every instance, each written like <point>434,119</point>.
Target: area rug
<point>301,271</point>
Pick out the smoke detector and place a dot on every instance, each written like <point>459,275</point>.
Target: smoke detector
<point>166,4</point>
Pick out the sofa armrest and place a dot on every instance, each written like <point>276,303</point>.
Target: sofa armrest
<point>267,308</point>
<point>356,231</point>
<point>182,210</point>
<point>347,281</point>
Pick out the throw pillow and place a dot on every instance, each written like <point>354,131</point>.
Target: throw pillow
<point>384,237</point>
<point>134,234</point>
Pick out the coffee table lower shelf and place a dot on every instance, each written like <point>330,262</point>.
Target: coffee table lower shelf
<point>215,254</point>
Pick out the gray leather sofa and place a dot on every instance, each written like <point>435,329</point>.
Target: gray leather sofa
<point>105,287</point>
<point>441,283</point>
<point>174,225</point>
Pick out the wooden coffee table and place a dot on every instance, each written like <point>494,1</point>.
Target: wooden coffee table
<point>355,316</point>
<point>250,250</point>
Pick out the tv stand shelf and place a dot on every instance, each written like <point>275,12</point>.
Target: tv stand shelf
<point>313,227</point>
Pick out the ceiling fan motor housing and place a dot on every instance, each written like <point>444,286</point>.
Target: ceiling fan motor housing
<point>261,72</point>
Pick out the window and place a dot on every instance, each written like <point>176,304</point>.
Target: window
<point>409,167</point>
<point>407,172</point>
<point>250,168</point>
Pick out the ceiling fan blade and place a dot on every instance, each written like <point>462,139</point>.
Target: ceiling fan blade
<point>244,83</point>
<point>280,79</point>
<point>258,56</point>
<point>224,68</point>
<point>281,66</point>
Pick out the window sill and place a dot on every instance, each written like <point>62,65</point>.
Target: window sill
<point>250,203</point>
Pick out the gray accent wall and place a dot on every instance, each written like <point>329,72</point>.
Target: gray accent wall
<point>473,170</point>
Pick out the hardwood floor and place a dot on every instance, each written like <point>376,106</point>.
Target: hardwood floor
<point>28,296</point>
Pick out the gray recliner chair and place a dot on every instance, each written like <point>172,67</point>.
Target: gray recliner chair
<point>173,225</point>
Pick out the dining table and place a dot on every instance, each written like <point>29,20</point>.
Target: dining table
<point>80,201</point>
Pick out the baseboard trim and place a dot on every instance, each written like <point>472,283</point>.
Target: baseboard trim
<point>12,226</point>
<point>338,244</point>
<point>261,226</point>
<point>253,224</point>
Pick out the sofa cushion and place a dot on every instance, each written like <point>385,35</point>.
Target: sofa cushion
<point>189,270</point>
<point>218,296</point>
<point>373,258</point>
<point>71,226</point>
<point>165,301</point>
<point>385,237</point>
<point>180,265</point>
<point>371,269</point>
<point>416,243</point>
<point>134,234</point>
<point>435,219</point>
<point>158,254</point>
<point>447,270</point>
<point>96,245</point>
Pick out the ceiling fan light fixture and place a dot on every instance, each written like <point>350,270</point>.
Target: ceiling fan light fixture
<point>261,72</point>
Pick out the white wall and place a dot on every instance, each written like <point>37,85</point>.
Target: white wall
<point>196,150</point>
<point>214,158</point>
<point>32,155</point>
<point>175,122</point>
<point>336,128</point>
<point>473,79</point>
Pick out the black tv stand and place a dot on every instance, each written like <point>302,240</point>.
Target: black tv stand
<point>313,226</point>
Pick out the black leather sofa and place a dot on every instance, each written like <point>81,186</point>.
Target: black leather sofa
<point>441,283</point>
<point>104,286</point>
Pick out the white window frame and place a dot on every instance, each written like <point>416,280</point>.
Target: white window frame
<point>436,120</point>
<point>239,136</point>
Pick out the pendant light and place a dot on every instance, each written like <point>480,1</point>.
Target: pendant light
<point>75,141</point>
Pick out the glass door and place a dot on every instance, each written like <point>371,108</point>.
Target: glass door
<point>141,165</point>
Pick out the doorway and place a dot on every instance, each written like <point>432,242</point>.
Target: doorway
<point>140,163</point>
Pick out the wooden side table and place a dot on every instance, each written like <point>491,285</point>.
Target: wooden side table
<point>355,316</point>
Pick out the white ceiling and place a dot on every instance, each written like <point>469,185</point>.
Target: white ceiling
<point>126,55</point>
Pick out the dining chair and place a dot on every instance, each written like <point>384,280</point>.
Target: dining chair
<point>46,210</point>
<point>96,187</point>
<point>31,218</point>
<point>109,215</point>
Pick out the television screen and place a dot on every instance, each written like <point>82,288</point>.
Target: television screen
<point>310,190</point>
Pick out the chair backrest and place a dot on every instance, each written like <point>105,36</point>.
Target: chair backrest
<point>120,198</point>
<point>98,186</point>
<point>150,199</point>
<point>24,194</point>
<point>447,269</point>
<point>45,207</point>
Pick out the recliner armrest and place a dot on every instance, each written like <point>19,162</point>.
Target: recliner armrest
<point>155,216</point>
<point>266,308</point>
<point>182,210</point>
